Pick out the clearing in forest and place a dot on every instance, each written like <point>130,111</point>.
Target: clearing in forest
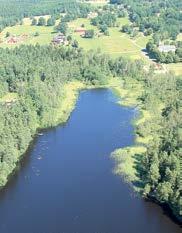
<point>116,44</point>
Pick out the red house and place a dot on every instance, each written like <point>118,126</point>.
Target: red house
<point>80,31</point>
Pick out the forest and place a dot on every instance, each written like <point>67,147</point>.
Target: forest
<point>35,76</point>
<point>10,15</point>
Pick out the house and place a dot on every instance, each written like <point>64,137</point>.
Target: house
<point>59,39</point>
<point>92,15</point>
<point>80,31</point>
<point>167,48</point>
<point>12,40</point>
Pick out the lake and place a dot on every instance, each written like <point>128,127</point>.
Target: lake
<point>66,183</point>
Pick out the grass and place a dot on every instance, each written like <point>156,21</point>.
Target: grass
<point>45,34</point>
<point>128,92</point>
<point>68,102</point>
<point>127,160</point>
<point>142,40</point>
<point>176,68</point>
<point>117,44</point>
<point>8,98</point>
<point>28,21</point>
<point>145,116</point>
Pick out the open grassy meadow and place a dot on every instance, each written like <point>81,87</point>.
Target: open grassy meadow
<point>116,44</point>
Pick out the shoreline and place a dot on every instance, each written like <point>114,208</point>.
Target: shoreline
<point>124,165</point>
<point>62,114</point>
<point>126,158</point>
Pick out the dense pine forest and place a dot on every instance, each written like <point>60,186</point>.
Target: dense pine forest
<point>35,76</point>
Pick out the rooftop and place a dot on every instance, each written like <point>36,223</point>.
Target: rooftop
<point>167,48</point>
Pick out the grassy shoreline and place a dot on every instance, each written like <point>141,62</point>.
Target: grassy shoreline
<point>60,116</point>
<point>127,158</point>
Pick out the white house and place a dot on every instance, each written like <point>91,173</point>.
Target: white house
<point>167,48</point>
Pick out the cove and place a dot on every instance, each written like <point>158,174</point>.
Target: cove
<point>66,182</point>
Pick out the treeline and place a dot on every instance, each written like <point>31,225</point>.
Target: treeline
<point>160,165</point>
<point>13,11</point>
<point>42,21</point>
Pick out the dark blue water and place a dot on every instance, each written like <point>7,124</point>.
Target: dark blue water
<point>66,182</point>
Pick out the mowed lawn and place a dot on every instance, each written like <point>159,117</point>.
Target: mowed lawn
<point>116,44</point>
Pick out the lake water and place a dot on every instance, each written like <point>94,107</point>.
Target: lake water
<point>66,182</point>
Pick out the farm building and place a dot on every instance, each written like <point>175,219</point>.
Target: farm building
<point>167,48</point>
<point>59,39</point>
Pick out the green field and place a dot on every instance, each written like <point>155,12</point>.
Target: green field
<point>45,34</point>
<point>116,44</point>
